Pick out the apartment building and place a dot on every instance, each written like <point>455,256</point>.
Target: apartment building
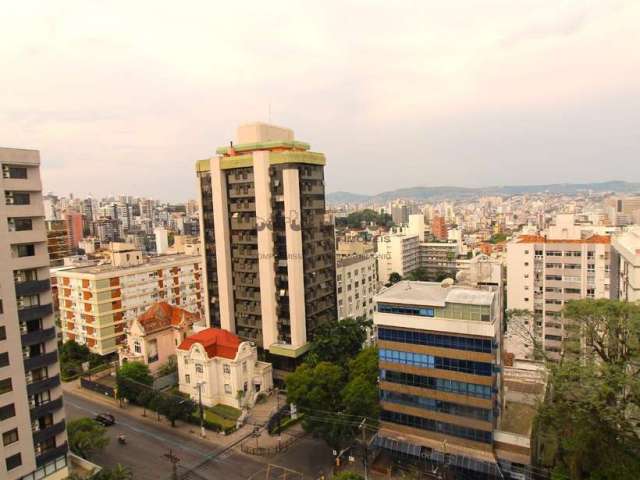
<point>439,228</point>
<point>623,210</point>
<point>58,244</point>
<point>269,246</point>
<point>32,424</point>
<point>357,284</point>
<point>96,302</point>
<point>438,260</point>
<point>625,265</point>
<point>441,392</point>
<point>397,253</point>
<point>544,273</point>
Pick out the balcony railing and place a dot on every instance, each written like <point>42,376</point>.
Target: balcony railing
<point>40,361</point>
<point>48,432</point>
<point>35,312</point>
<point>45,408</point>
<point>32,287</point>
<point>38,336</point>
<point>52,454</point>
<point>42,385</point>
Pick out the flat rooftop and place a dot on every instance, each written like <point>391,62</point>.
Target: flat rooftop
<point>149,262</point>
<point>434,294</point>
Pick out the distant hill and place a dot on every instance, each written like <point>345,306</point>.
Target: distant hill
<point>440,193</point>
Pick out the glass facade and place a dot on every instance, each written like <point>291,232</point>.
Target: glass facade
<point>439,384</point>
<point>435,340</point>
<point>436,405</point>
<point>430,361</point>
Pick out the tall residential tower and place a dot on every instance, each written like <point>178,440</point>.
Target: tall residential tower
<point>34,443</point>
<point>269,250</point>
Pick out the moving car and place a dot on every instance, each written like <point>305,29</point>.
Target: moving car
<point>105,419</point>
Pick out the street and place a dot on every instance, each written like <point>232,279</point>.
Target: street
<point>147,445</point>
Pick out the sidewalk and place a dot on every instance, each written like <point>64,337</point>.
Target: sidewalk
<point>183,429</point>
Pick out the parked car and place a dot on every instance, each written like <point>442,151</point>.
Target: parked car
<point>105,419</point>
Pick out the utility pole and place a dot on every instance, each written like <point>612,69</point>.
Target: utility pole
<point>199,385</point>
<point>174,464</point>
<point>364,446</point>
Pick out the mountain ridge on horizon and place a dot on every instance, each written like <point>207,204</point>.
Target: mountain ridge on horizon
<point>443,192</point>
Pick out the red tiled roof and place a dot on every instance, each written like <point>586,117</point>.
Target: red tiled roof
<point>161,315</point>
<point>603,239</point>
<point>217,342</point>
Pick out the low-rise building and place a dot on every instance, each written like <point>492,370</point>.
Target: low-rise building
<point>96,302</point>
<point>154,336</point>
<point>216,366</point>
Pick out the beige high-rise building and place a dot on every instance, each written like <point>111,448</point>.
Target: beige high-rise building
<point>397,253</point>
<point>544,273</point>
<point>269,247</point>
<point>32,424</point>
<point>357,283</point>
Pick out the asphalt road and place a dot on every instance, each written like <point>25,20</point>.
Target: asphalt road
<point>147,444</point>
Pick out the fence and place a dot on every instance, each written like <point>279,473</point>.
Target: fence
<point>97,387</point>
<point>267,451</point>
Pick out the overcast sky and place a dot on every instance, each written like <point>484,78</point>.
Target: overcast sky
<point>123,97</point>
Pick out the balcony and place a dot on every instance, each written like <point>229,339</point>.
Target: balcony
<point>49,432</point>
<point>40,361</point>
<point>45,408</point>
<point>32,287</point>
<point>35,312</point>
<point>42,385</point>
<point>38,336</point>
<point>52,454</point>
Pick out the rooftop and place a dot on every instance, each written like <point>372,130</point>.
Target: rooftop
<point>602,239</point>
<point>217,342</point>
<point>161,315</point>
<point>346,261</point>
<point>149,262</point>
<point>434,294</point>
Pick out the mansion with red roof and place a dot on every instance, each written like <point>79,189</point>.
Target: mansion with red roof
<point>226,368</point>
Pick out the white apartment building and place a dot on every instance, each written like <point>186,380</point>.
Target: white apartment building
<point>217,365</point>
<point>357,283</point>
<point>543,273</point>
<point>397,253</point>
<point>97,302</point>
<point>625,265</point>
<point>32,424</point>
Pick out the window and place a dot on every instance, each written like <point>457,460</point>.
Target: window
<point>3,331</point>
<point>5,386</point>
<point>226,368</point>
<point>404,310</point>
<point>136,346</point>
<point>9,171</point>
<point>27,250</point>
<point>435,340</point>
<point>13,461</point>
<point>227,388</point>
<point>7,411</point>
<point>20,224</point>
<point>10,437</point>
<point>187,378</point>
<point>17,198</point>
<point>199,368</point>
<point>28,301</point>
<point>4,359</point>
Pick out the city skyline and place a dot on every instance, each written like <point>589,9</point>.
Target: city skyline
<point>532,94</point>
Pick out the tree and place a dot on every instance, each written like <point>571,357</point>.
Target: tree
<point>170,366</point>
<point>174,408</point>
<point>418,275</point>
<point>395,277</point>
<point>360,396</point>
<point>592,410</point>
<point>339,341</point>
<point>119,472</point>
<point>132,378</point>
<point>86,436</point>
<point>348,476</point>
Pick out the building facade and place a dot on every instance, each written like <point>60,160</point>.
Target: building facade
<point>625,265</point>
<point>438,260</point>
<point>57,241</point>
<point>544,273</point>
<point>357,284</point>
<point>97,302</point>
<point>219,367</point>
<point>397,253</point>
<point>269,248</point>
<point>32,423</point>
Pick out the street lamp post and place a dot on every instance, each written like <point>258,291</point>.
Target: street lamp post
<point>199,385</point>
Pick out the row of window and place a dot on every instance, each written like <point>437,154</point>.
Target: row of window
<point>435,340</point>
<point>439,384</point>
<point>436,426</point>
<point>405,310</point>
<point>430,361</point>
<point>436,405</point>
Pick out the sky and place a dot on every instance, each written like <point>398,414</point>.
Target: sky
<point>124,97</point>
